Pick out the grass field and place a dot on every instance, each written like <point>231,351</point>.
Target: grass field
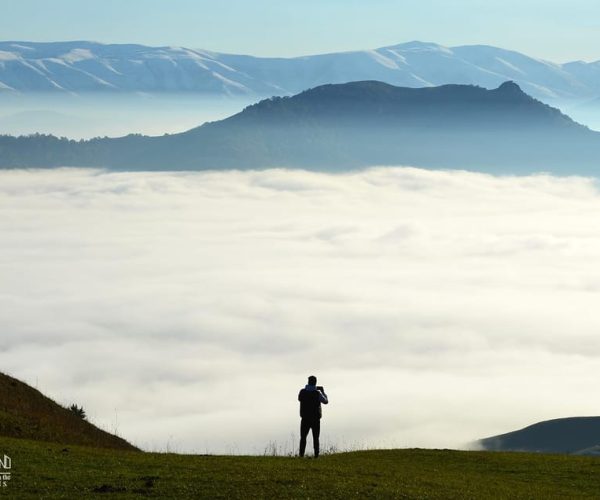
<point>47,470</point>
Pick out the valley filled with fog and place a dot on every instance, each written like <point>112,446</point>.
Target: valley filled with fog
<point>185,310</point>
<point>587,114</point>
<point>91,114</point>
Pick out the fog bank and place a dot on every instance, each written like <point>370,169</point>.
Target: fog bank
<point>114,115</point>
<point>185,310</point>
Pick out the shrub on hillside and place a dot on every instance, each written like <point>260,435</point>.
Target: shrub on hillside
<point>78,410</point>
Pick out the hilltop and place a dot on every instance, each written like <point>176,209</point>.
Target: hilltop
<point>48,462</point>
<point>349,126</point>
<point>42,470</point>
<point>26,413</point>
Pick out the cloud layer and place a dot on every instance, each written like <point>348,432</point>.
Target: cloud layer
<point>185,310</point>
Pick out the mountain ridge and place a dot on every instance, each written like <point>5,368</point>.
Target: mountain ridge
<point>83,66</point>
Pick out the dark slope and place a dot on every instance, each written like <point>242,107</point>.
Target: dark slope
<point>27,413</point>
<point>563,435</point>
<point>347,126</point>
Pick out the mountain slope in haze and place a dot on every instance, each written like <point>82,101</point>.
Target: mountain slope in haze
<point>82,66</point>
<point>420,64</point>
<point>95,67</point>
<point>26,413</point>
<point>579,435</point>
<point>348,126</point>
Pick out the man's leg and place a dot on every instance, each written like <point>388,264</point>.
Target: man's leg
<point>304,428</point>
<point>316,430</point>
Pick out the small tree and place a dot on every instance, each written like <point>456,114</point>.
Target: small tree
<point>78,410</point>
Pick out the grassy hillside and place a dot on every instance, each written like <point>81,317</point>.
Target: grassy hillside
<point>43,470</point>
<point>55,466</point>
<point>27,413</point>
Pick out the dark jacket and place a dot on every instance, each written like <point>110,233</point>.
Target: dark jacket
<point>310,402</point>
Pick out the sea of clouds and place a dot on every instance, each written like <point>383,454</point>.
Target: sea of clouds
<point>185,310</point>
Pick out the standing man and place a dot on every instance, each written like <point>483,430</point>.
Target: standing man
<point>310,399</point>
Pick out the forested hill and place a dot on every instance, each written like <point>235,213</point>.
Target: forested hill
<point>348,126</point>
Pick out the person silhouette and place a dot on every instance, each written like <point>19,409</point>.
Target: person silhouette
<point>310,399</point>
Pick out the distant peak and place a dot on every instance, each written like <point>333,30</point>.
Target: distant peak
<point>416,45</point>
<point>510,87</point>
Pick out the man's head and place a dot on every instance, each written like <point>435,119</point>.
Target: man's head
<point>312,380</point>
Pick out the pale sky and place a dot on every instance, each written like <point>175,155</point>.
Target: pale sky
<point>551,29</point>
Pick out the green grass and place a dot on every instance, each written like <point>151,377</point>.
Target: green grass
<point>46,470</point>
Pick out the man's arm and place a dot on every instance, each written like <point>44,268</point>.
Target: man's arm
<point>300,395</point>
<point>323,397</point>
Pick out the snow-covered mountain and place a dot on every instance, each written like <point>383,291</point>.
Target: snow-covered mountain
<point>88,66</point>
